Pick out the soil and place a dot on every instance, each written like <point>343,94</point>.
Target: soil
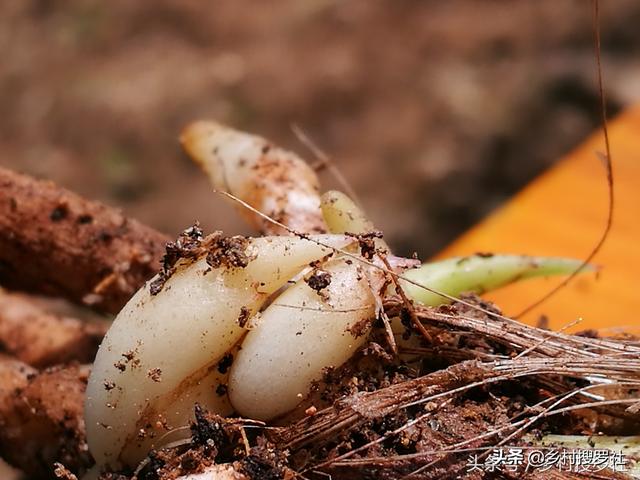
<point>220,251</point>
<point>453,105</point>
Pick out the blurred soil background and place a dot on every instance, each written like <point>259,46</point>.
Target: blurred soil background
<point>435,111</point>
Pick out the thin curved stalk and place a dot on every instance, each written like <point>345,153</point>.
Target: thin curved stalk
<point>480,273</point>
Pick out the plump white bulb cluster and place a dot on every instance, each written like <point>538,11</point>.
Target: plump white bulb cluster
<point>165,352</point>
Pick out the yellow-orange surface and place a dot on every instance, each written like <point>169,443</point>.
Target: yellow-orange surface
<point>563,213</point>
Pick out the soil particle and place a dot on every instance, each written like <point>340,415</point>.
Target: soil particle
<point>190,245</point>
<point>129,355</point>
<point>62,473</point>
<point>130,358</point>
<point>118,476</point>
<point>225,363</point>
<point>543,322</point>
<point>318,280</point>
<point>243,318</point>
<point>590,333</point>
<point>375,349</point>
<point>360,328</point>
<point>264,463</point>
<point>367,243</point>
<point>156,462</point>
<point>215,440</point>
<point>258,468</point>
<point>190,461</point>
<point>230,252</point>
<point>186,246</point>
<point>84,219</point>
<point>155,374</point>
<point>208,430</point>
<point>59,213</point>
<point>221,390</point>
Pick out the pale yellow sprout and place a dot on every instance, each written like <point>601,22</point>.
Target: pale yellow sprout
<point>274,181</point>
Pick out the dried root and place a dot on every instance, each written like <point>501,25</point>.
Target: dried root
<point>43,339</point>
<point>55,242</point>
<point>41,418</point>
<point>14,375</point>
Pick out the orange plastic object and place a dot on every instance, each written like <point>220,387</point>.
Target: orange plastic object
<point>563,213</point>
